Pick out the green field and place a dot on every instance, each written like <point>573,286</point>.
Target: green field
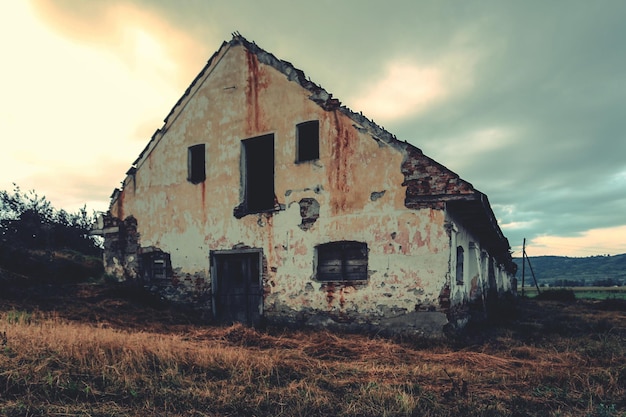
<point>589,293</point>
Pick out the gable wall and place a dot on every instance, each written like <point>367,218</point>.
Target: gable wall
<point>357,182</point>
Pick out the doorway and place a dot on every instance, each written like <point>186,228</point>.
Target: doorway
<point>237,289</point>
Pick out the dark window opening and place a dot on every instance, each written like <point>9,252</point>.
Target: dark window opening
<point>342,261</point>
<point>308,141</point>
<point>155,266</point>
<point>460,257</point>
<point>196,171</point>
<point>259,173</point>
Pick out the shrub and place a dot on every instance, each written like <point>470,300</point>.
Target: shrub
<point>557,295</point>
<point>29,221</point>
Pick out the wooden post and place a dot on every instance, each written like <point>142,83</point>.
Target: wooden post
<point>534,278</point>
<point>523,264</point>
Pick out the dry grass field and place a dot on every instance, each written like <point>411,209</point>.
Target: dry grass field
<point>97,350</point>
<point>592,293</point>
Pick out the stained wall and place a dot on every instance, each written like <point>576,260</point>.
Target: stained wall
<point>355,191</point>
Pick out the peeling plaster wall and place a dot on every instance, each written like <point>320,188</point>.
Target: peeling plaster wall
<point>476,288</point>
<point>355,191</point>
<point>120,247</point>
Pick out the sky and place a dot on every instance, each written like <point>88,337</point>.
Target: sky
<point>523,99</point>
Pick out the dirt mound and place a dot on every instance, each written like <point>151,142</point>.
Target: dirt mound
<point>26,267</point>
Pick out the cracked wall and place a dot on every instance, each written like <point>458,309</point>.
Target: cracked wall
<point>358,190</point>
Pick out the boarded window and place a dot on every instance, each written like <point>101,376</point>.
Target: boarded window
<point>308,141</point>
<point>342,261</point>
<point>460,258</point>
<point>196,171</point>
<point>155,266</point>
<point>259,173</point>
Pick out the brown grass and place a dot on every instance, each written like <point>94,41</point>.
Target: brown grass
<point>553,360</point>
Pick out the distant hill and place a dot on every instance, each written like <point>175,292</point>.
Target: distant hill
<point>566,271</point>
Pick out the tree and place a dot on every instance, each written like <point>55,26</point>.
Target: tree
<point>29,221</point>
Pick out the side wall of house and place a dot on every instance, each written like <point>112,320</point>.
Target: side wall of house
<point>353,192</point>
<point>477,279</point>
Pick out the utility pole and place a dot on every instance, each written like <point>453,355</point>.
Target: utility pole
<point>523,264</point>
<point>524,260</point>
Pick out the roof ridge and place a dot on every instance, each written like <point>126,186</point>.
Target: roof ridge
<point>318,93</point>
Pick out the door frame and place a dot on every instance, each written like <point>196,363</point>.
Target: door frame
<point>213,254</point>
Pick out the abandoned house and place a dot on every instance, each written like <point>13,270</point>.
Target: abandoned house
<point>262,198</point>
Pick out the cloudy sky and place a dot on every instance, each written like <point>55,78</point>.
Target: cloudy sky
<point>524,99</point>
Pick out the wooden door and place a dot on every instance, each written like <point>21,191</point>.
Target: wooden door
<point>237,294</point>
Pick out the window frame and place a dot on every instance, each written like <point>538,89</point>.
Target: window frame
<point>341,253</point>
<point>460,265</point>
<point>196,163</point>
<point>307,143</point>
<point>258,175</point>
<point>155,266</point>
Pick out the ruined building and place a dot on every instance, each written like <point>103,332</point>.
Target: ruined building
<point>262,198</point>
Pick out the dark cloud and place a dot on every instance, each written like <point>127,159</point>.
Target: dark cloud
<point>556,77</point>
<point>550,76</point>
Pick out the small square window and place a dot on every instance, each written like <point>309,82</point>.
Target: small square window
<point>308,141</point>
<point>196,161</point>
<point>155,266</point>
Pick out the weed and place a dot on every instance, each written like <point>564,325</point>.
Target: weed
<point>560,294</point>
<point>17,317</point>
<point>605,410</point>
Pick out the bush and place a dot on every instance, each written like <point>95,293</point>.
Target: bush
<point>557,295</point>
<point>611,304</point>
<point>29,221</point>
